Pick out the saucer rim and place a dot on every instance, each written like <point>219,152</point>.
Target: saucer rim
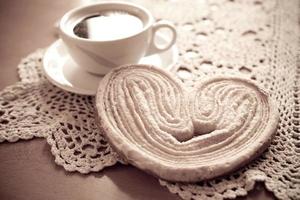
<point>80,91</point>
<point>64,87</point>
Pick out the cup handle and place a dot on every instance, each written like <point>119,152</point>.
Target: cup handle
<point>153,47</point>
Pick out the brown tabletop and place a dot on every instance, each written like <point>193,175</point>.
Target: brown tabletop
<point>27,168</point>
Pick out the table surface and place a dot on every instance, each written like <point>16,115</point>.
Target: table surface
<point>27,168</point>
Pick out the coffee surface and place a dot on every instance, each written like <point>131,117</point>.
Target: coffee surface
<point>108,25</point>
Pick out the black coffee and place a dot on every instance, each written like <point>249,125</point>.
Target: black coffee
<point>108,25</point>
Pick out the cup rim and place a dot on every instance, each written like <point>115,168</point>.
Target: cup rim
<point>67,15</point>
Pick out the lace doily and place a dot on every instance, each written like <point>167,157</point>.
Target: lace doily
<point>254,39</point>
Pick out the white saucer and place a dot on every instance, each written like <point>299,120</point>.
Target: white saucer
<point>62,71</point>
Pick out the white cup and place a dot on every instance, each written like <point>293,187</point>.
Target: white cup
<point>99,57</point>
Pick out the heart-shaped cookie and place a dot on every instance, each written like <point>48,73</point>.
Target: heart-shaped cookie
<point>182,134</point>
